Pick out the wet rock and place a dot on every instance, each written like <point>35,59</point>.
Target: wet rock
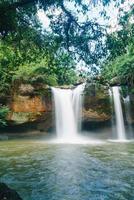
<point>3,137</point>
<point>7,193</point>
<point>92,115</point>
<point>23,117</point>
<point>96,106</point>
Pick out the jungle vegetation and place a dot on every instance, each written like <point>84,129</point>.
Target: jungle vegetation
<point>29,53</point>
<point>119,62</point>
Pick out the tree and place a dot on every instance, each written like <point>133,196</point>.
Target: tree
<point>28,49</point>
<point>75,36</point>
<point>3,115</point>
<point>120,45</point>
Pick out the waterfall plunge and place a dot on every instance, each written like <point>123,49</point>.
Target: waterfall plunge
<point>68,107</point>
<point>128,115</point>
<point>121,135</point>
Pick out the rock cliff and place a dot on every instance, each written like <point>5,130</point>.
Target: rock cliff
<point>31,107</point>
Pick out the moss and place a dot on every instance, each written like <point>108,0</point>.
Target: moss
<point>21,117</point>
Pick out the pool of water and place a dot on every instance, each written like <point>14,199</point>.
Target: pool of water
<point>41,171</point>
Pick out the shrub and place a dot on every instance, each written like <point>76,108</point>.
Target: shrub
<point>4,110</point>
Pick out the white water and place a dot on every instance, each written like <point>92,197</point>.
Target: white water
<point>68,107</point>
<point>128,115</point>
<point>121,135</point>
<point>127,108</point>
<point>77,105</point>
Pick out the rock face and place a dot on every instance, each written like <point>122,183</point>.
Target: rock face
<point>8,194</point>
<point>97,103</point>
<point>28,104</point>
<point>93,115</point>
<point>97,107</point>
<point>131,118</point>
<point>31,108</point>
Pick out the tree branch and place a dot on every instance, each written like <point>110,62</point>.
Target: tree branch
<point>20,3</point>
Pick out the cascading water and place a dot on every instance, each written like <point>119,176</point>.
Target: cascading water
<point>68,106</point>
<point>77,105</point>
<point>112,114</point>
<point>128,115</point>
<point>121,135</point>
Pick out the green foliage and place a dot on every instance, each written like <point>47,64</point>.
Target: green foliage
<point>74,36</point>
<point>8,58</point>
<point>33,56</point>
<point>122,67</point>
<point>31,74</point>
<point>4,110</point>
<point>30,54</point>
<point>120,44</point>
<point>57,71</point>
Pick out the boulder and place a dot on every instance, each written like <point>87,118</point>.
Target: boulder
<point>7,193</point>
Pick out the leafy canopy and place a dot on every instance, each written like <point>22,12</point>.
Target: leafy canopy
<point>30,54</point>
<point>75,35</point>
<point>120,46</point>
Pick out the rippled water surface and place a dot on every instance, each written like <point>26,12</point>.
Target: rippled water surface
<point>40,171</point>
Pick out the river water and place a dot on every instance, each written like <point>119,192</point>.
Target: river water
<point>44,171</point>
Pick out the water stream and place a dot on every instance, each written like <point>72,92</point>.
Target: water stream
<point>128,115</point>
<point>68,106</point>
<point>68,113</point>
<point>121,134</point>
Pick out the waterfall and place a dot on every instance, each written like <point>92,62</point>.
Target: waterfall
<point>77,105</point>
<point>68,107</point>
<point>128,115</point>
<point>112,112</point>
<point>121,135</point>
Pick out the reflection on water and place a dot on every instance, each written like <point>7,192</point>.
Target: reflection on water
<point>40,171</point>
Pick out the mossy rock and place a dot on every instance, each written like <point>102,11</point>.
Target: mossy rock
<point>23,117</point>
